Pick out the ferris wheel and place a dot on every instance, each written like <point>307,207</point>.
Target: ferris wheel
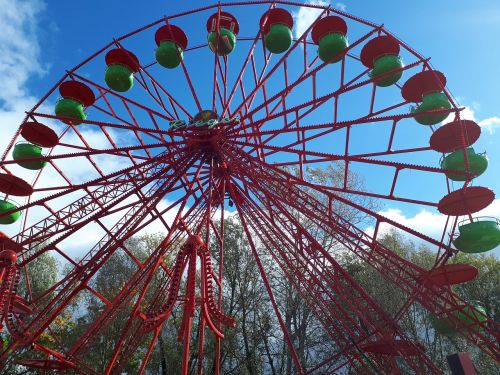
<point>229,116</point>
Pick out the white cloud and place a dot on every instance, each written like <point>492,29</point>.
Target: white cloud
<point>305,16</point>
<point>427,222</point>
<point>341,6</point>
<point>19,47</point>
<point>19,61</point>
<point>489,124</point>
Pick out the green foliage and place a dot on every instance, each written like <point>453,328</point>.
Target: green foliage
<point>43,273</point>
<point>416,322</point>
<point>257,344</point>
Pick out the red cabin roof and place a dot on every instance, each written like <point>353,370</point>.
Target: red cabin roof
<point>12,185</point>
<point>171,33</point>
<point>7,243</point>
<point>448,138</point>
<point>423,83</point>
<point>451,274</point>
<point>326,25</point>
<point>227,21</point>
<point>39,134</point>
<point>379,46</point>
<point>275,16</point>
<point>124,57</point>
<point>466,201</point>
<point>77,91</point>
<point>394,347</point>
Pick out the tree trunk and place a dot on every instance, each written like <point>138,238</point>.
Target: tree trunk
<point>163,360</point>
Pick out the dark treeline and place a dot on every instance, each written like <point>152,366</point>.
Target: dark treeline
<point>256,346</point>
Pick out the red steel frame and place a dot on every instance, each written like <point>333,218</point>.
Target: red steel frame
<point>196,171</point>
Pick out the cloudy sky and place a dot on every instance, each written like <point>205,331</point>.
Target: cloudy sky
<point>39,40</point>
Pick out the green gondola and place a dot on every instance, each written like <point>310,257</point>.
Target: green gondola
<point>331,47</point>
<point>24,151</point>
<point>449,328</point>
<point>119,78</point>
<point>71,108</point>
<point>432,102</point>
<point>169,54</point>
<point>478,236</point>
<point>225,44</point>
<point>279,38</point>
<point>456,161</point>
<point>386,64</point>
<point>6,206</point>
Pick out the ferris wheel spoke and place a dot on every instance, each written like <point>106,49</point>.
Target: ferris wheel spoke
<point>298,127</point>
<point>155,213</point>
<point>132,125</point>
<point>77,213</point>
<point>119,151</point>
<point>297,232</point>
<point>159,89</point>
<point>403,273</point>
<point>104,183</point>
<point>102,251</point>
<point>293,268</point>
<point>126,102</point>
<point>130,345</point>
<point>216,64</point>
<point>110,233</point>
<point>248,100</point>
<point>239,79</point>
<point>156,95</point>
<point>310,74</point>
<point>149,276</point>
<point>288,178</point>
<point>316,102</point>
<point>286,334</point>
<point>107,182</point>
<point>155,133</point>
<point>292,265</point>
<point>346,187</point>
<point>262,80</point>
<point>131,288</point>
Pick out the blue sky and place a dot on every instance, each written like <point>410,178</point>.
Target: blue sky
<point>42,39</point>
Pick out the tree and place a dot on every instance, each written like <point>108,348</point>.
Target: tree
<point>416,322</point>
<point>42,273</point>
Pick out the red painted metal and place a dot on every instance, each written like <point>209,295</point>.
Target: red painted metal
<point>466,201</point>
<point>451,274</point>
<point>46,364</point>
<point>7,243</point>
<point>172,33</point>
<point>78,91</point>
<point>328,24</point>
<point>394,347</point>
<point>423,83</point>
<point>39,134</point>
<point>448,138</point>
<point>124,57</point>
<point>20,306</point>
<point>275,16</point>
<point>225,20</point>
<point>378,46</point>
<point>12,185</point>
<point>243,166</point>
<point>8,257</point>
